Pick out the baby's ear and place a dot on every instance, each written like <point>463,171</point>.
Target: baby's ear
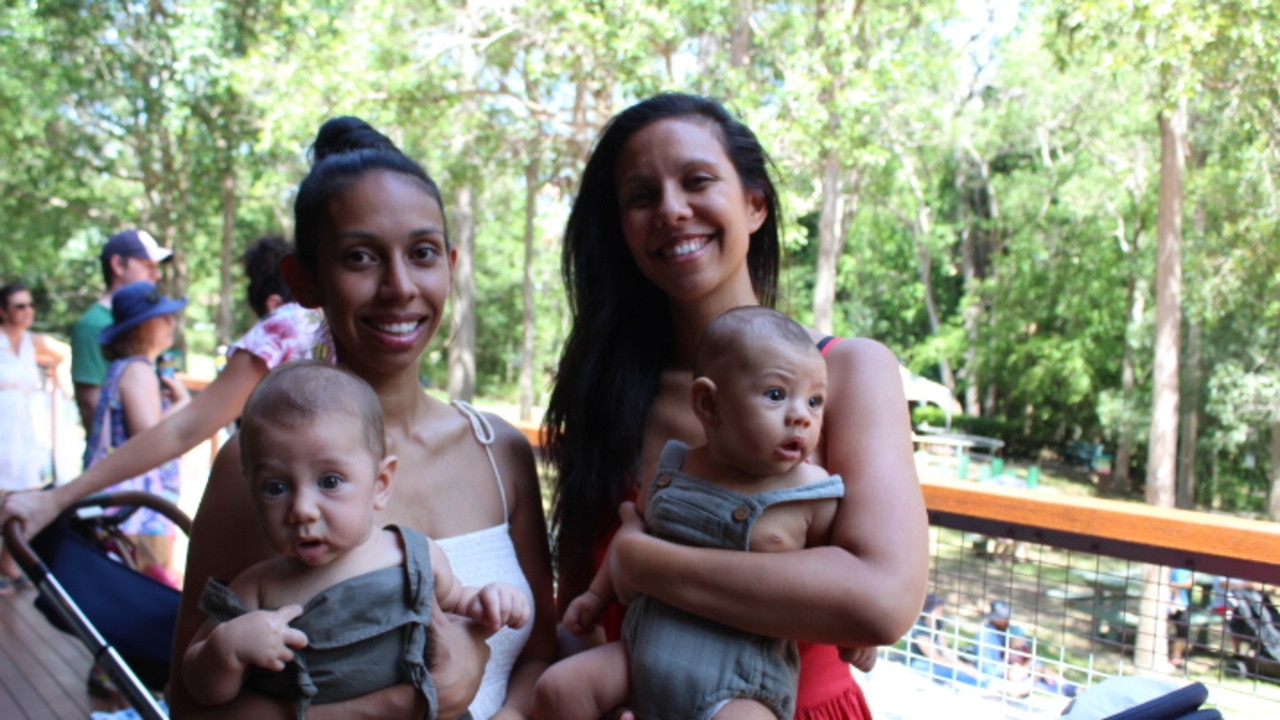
<point>384,483</point>
<point>704,400</point>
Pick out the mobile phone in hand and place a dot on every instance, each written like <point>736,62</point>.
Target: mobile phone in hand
<point>167,364</point>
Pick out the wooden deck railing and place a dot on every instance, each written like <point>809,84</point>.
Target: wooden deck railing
<point>1079,573</point>
<point>1090,576</point>
<point>1205,542</point>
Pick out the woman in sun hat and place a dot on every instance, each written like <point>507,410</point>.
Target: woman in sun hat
<point>134,397</point>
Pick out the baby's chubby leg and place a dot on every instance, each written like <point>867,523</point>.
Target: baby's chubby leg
<point>743,709</point>
<point>584,686</point>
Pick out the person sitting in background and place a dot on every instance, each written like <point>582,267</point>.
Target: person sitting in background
<point>930,652</point>
<point>1005,652</point>
<point>1237,601</point>
<point>285,331</point>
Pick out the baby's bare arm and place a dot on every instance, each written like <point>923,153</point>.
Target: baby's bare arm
<point>493,606</point>
<point>215,664</point>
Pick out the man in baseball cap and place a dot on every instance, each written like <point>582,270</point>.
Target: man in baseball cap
<point>129,256</point>
<point>137,244</point>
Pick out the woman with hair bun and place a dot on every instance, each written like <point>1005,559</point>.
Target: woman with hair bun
<point>372,251</point>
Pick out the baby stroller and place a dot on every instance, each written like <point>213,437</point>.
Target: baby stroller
<point>1255,618</point>
<point>125,618</point>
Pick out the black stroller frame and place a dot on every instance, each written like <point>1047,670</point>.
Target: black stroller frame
<point>65,612</point>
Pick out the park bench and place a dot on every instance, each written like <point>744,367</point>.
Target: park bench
<point>1088,454</point>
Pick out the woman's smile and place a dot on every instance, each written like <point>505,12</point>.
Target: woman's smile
<point>391,280</point>
<point>399,330</point>
<point>685,247</point>
<point>685,214</point>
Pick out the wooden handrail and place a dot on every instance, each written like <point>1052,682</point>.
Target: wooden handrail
<point>193,383</point>
<point>532,431</point>
<point>1222,544</point>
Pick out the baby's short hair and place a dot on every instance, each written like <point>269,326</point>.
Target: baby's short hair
<point>297,392</point>
<point>732,335</point>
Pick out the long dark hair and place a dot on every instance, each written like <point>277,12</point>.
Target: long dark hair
<point>344,150</point>
<point>621,337</point>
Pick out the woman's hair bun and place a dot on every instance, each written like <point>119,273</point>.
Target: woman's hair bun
<point>348,134</point>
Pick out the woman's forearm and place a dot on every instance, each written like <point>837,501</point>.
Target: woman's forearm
<point>819,594</point>
<point>211,410</point>
<point>246,705</point>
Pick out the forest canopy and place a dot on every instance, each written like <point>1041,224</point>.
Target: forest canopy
<point>978,185</point>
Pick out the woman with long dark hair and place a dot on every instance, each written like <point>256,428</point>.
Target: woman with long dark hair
<point>675,223</point>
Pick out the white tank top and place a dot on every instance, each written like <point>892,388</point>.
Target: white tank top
<point>486,556</point>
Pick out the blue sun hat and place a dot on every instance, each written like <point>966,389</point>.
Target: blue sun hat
<point>135,304</point>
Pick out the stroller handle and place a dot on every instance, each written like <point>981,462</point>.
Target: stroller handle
<point>70,613</point>
<point>131,498</point>
<point>26,557</point>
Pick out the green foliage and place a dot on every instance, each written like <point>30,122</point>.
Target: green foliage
<point>1008,182</point>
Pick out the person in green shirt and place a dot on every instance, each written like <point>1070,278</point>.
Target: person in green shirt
<point>129,256</point>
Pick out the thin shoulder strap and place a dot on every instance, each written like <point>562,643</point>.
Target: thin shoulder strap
<point>828,342</point>
<point>484,433</point>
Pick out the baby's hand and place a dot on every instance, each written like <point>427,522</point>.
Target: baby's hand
<point>498,604</point>
<point>583,613</point>
<point>263,637</point>
<point>863,658</point>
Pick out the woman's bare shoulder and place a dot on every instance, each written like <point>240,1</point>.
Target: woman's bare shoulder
<point>860,357</point>
<point>506,434</point>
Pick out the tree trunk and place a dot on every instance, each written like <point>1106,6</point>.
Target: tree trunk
<point>1163,443</point>
<point>921,227</point>
<point>1118,481</point>
<point>971,313</point>
<point>1151,648</point>
<point>740,41</point>
<point>462,346</point>
<point>1273,497</point>
<point>1151,651</point>
<point>528,335</point>
<point>226,285</point>
<point>1186,490</point>
<point>830,245</point>
<point>1273,502</point>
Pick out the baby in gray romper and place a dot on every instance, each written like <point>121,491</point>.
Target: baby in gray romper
<point>345,608</point>
<point>758,391</point>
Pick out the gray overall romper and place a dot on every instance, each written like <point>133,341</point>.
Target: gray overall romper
<point>684,666</point>
<point>359,639</point>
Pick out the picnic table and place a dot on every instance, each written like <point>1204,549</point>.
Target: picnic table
<point>961,443</point>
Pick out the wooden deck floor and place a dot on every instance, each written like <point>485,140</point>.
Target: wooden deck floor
<point>42,670</point>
